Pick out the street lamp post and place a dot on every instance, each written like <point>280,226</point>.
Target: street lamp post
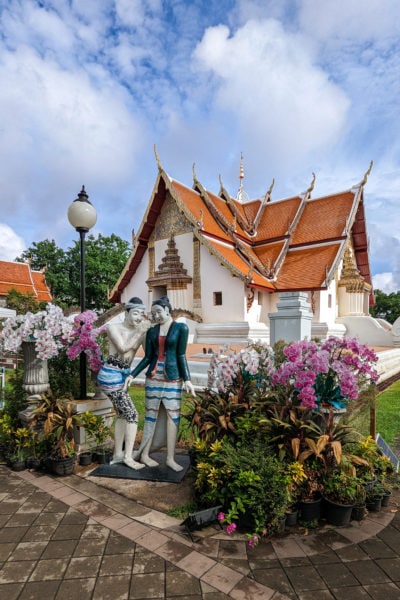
<point>82,215</point>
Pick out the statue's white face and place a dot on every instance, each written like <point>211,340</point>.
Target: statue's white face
<point>134,316</point>
<point>160,314</point>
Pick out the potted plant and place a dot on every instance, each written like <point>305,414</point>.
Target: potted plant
<point>17,456</point>
<point>340,490</point>
<point>97,431</point>
<point>359,509</point>
<point>374,496</point>
<point>59,421</point>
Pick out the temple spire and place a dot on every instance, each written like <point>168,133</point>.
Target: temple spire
<point>242,196</point>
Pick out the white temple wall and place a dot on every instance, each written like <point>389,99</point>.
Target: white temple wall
<point>137,285</point>
<point>217,279</point>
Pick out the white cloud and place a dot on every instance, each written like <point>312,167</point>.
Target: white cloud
<point>11,244</point>
<point>386,283</point>
<point>265,78</point>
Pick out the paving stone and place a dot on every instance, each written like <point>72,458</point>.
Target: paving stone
<point>337,575</point>
<point>55,506</point>
<point>49,519</point>
<point>49,569</point>
<point>95,531</point>
<point>117,544</point>
<point>351,593</point>
<point>376,548</point>
<point>316,595</point>
<point>6,550</point>
<point>305,578</point>
<point>59,549</point>
<point>72,517</point>
<point>16,571</point>
<point>246,588</point>
<point>179,583</point>
<point>38,590</point>
<point>10,591</point>
<point>367,572</point>
<point>20,519</point>
<point>90,546</point>
<point>173,551</point>
<point>12,534</point>
<point>391,566</point>
<point>147,585</point>
<point>76,588</point>
<point>32,550</point>
<point>352,552</point>
<point>275,579</point>
<point>82,566</point>
<point>117,563</point>
<point>388,591</point>
<point>41,533</point>
<point>68,532</point>
<point>147,562</point>
<point>391,537</point>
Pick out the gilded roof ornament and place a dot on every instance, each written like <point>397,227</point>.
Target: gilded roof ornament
<point>311,187</point>
<point>157,158</point>
<point>194,174</point>
<point>242,196</point>
<point>267,196</point>
<point>364,179</point>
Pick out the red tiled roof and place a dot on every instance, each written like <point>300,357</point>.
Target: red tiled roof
<point>287,245</point>
<point>20,277</point>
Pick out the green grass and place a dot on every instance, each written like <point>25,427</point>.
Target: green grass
<point>387,413</point>
<point>387,405</point>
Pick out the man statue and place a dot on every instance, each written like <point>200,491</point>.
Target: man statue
<point>124,341</point>
<point>167,374</point>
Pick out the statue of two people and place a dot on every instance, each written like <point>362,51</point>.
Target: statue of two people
<point>167,375</point>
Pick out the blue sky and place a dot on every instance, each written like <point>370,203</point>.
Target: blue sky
<point>298,86</point>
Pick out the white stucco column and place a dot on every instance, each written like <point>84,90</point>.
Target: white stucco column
<point>292,321</point>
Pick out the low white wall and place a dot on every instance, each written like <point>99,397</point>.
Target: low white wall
<point>367,330</point>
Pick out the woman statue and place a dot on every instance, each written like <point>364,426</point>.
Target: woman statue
<point>167,374</point>
<point>124,341</point>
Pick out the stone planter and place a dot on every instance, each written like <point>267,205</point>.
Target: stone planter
<point>36,375</point>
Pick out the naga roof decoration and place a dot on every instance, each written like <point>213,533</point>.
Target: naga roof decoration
<point>294,244</point>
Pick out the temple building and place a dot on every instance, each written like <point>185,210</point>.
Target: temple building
<point>226,262</point>
<point>20,277</point>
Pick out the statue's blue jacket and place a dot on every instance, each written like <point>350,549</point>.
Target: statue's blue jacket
<point>175,366</point>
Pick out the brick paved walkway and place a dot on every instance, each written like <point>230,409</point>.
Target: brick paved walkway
<point>70,538</point>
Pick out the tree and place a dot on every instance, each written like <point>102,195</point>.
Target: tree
<point>48,255</point>
<point>105,260</point>
<point>386,305</point>
<point>23,303</point>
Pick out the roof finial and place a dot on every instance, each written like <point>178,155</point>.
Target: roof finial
<point>194,174</point>
<point>157,158</point>
<point>364,180</point>
<point>242,194</point>
<point>310,189</point>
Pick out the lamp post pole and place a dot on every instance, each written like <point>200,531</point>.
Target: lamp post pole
<point>82,215</point>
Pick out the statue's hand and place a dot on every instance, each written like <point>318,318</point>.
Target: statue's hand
<point>189,388</point>
<point>128,382</point>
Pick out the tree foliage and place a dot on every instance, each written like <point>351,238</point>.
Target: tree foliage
<point>105,258</point>
<point>22,303</point>
<point>386,306</point>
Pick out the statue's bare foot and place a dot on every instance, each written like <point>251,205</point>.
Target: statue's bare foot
<point>149,462</point>
<point>173,465</point>
<point>117,458</point>
<point>129,462</point>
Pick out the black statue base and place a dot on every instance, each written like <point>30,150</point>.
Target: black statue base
<point>160,473</point>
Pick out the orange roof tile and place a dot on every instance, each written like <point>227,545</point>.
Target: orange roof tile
<point>282,227</point>
<point>306,269</point>
<point>323,218</point>
<point>18,276</point>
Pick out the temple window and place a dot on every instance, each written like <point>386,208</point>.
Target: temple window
<point>217,298</point>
